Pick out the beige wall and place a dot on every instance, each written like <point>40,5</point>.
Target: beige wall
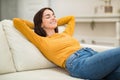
<point>0,9</point>
<point>27,8</point>
<point>81,7</point>
<point>21,8</point>
<point>8,9</point>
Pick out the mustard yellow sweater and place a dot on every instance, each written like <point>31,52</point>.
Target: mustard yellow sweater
<point>56,48</point>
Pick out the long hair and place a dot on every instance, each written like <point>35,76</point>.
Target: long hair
<point>38,21</point>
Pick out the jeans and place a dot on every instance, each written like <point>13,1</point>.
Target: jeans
<point>89,64</point>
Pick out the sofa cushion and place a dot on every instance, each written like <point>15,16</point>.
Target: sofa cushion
<point>6,61</point>
<point>97,48</point>
<point>26,55</point>
<point>43,74</point>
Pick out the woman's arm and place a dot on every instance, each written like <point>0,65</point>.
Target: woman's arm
<point>69,21</point>
<point>26,31</point>
<point>28,23</point>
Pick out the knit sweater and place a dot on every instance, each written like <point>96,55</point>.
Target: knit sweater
<point>56,48</point>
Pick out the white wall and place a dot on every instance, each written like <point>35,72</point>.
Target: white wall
<point>0,9</point>
<point>81,7</point>
<point>21,8</point>
<point>28,8</point>
<point>8,9</point>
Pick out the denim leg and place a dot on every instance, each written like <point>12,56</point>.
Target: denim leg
<point>115,75</point>
<point>96,66</point>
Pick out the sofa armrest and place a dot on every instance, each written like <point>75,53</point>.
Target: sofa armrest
<point>97,47</point>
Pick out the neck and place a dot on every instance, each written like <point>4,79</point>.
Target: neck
<point>50,32</point>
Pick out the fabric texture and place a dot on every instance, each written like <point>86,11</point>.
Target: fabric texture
<point>97,48</point>
<point>26,56</point>
<point>6,61</point>
<point>43,74</point>
<point>89,64</point>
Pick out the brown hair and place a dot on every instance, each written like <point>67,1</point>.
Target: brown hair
<point>38,20</point>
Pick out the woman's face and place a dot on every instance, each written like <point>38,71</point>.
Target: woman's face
<point>49,20</point>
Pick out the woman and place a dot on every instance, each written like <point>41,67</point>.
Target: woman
<point>65,51</point>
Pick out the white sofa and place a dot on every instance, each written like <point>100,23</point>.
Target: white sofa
<point>21,60</point>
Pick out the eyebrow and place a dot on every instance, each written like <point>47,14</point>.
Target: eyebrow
<point>48,14</point>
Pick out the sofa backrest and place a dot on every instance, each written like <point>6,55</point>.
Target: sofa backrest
<point>25,55</point>
<point>6,60</point>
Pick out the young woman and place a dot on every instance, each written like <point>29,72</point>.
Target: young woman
<point>65,51</point>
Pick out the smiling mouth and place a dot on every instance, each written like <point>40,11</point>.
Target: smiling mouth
<point>52,22</point>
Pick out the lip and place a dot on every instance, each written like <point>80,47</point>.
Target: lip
<point>53,22</point>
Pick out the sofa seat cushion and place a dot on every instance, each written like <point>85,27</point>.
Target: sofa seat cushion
<point>6,61</point>
<point>97,48</point>
<point>43,74</point>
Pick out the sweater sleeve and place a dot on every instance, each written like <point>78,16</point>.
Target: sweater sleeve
<point>29,24</point>
<point>26,31</point>
<point>69,21</point>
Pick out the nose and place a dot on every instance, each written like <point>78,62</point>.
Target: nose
<point>53,17</point>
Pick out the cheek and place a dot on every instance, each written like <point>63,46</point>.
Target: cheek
<point>45,23</point>
<point>49,23</point>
